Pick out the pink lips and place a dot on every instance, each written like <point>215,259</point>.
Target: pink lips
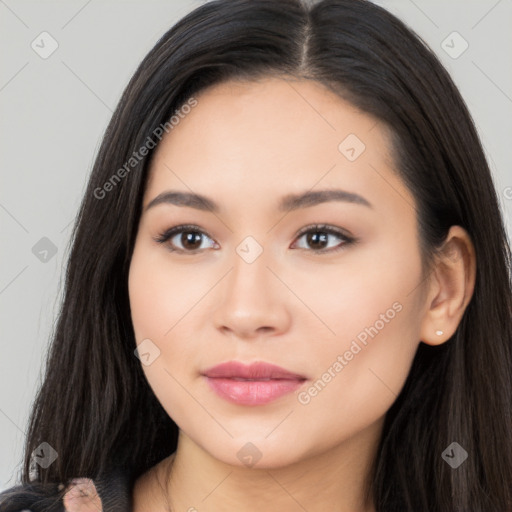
<point>256,384</point>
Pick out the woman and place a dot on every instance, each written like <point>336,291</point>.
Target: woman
<point>289,286</point>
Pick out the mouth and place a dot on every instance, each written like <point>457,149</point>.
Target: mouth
<point>255,384</point>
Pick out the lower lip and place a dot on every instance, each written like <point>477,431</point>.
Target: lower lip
<point>260,392</point>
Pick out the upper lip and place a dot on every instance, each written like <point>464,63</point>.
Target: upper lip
<point>254,371</point>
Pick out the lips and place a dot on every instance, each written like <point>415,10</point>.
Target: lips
<point>256,371</point>
<point>255,384</point>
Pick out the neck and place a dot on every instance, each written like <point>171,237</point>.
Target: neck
<point>192,480</point>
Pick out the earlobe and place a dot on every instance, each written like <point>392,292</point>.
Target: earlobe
<point>451,286</point>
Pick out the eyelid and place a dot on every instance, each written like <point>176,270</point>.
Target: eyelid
<point>326,228</point>
<point>346,237</point>
<point>163,237</point>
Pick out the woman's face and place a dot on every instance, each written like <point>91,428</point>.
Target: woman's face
<point>249,287</point>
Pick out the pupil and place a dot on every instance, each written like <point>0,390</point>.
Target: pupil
<point>314,238</point>
<point>191,238</point>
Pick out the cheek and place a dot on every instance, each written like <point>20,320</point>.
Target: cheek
<point>161,293</point>
<point>166,309</point>
<point>359,380</point>
<point>363,289</point>
<point>158,301</point>
<point>372,305</point>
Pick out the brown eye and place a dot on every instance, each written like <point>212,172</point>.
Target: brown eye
<point>318,237</point>
<point>317,240</point>
<point>184,239</point>
<point>190,240</point>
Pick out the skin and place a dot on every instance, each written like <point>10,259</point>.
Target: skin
<point>246,145</point>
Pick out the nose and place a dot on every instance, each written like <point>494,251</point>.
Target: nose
<point>252,301</point>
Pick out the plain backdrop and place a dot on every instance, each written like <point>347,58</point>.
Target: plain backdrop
<point>54,109</point>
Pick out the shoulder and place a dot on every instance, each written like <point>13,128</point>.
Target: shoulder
<point>111,493</point>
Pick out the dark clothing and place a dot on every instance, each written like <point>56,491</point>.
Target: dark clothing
<point>114,491</point>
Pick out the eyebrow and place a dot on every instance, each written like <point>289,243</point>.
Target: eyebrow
<point>288,203</point>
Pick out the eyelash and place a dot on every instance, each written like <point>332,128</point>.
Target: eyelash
<point>165,236</point>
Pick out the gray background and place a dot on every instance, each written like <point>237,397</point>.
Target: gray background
<point>54,111</point>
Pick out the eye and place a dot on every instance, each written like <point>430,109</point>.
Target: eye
<point>189,236</point>
<point>318,237</point>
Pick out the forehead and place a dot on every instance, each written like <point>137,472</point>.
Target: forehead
<point>271,135</point>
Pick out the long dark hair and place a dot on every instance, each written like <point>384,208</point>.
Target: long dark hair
<point>95,407</point>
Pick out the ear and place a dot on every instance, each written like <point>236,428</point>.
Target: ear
<point>450,288</point>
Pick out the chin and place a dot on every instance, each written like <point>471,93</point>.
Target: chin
<point>258,453</point>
